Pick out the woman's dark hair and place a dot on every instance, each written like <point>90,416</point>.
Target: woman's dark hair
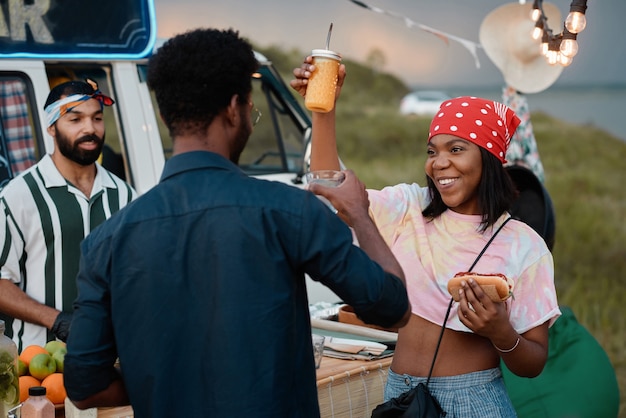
<point>496,192</point>
<point>194,76</point>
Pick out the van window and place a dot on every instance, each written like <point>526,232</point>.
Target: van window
<point>19,146</point>
<point>277,142</point>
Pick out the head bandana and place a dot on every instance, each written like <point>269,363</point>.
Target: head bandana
<point>55,110</point>
<point>486,123</point>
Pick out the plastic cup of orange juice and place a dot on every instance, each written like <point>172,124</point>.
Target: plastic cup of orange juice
<point>320,91</point>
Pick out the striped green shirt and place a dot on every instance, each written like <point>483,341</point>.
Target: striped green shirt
<point>43,220</point>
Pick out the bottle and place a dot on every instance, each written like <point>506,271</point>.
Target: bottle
<point>9,379</point>
<point>37,405</point>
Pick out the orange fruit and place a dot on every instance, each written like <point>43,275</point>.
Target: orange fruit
<point>31,351</point>
<point>55,389</point>
<point>25,383</point>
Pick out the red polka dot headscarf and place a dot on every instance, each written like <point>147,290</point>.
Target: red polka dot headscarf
<point>486,123</point>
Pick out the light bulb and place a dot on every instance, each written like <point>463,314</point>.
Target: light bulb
<point>537,32</point>
<point>575,22</point>
<point>535,14</point>
<point>564,60</point>
<point>569,47</point>
<point>552,57</point>
<point>545,43</point>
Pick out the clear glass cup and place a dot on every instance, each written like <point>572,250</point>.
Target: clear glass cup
<point>327,178</point>
<point>318,348</point>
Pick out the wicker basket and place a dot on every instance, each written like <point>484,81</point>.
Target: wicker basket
<point>351,388</point>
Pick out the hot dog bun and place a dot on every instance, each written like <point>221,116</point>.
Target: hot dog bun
<point>496,286</point>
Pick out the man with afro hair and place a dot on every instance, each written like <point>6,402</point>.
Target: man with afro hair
<point>198,287</point>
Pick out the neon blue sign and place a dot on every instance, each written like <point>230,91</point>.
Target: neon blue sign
<point>77,29</point>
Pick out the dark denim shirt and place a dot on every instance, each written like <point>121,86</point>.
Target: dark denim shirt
<point>198,287</point>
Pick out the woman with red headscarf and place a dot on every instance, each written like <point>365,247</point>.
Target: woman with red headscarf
<point>439,230</point>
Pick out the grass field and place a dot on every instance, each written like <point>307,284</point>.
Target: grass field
<point>585,175</point>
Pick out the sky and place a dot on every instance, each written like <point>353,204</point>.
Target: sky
<point>415,56</point>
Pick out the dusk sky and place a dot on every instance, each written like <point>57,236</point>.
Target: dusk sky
<point>415,56</point>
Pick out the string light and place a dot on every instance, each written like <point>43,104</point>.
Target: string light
<point>545,41</point>
<point>576,20</point>
<point>561,48</point>
<point>535,12</point>
<point>565,61</point>
<point>537,32</point>
<point>553,51</point>
<point>569,46</point>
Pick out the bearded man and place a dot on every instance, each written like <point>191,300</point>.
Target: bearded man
<point>48,210</point>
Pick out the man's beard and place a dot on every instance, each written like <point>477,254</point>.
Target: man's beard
<point>73,152</point>
<point>241,139</point>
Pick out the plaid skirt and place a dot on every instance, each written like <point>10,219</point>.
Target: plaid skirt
<point>478,394</point>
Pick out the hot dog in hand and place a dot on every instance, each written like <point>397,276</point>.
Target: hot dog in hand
<point>497,286</point>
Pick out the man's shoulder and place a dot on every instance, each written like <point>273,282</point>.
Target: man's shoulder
<point>276,186</point>
<point>268,192</point>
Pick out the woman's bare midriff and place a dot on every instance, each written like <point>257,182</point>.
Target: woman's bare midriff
<point>459,353</point>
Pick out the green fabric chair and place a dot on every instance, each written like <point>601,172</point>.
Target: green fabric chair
<point>578,380</point>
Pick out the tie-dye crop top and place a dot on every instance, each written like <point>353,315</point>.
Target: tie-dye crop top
<point>431,251</point>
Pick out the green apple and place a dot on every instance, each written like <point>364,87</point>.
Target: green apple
<point>22,368</point>
<point>41,366</point>
<point>59,358</point>
<point>54,346</point>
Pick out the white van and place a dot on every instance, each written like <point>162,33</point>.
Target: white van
<point>137,142</point>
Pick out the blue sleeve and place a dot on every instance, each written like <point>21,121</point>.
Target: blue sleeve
<point>91,352</point>
<point>331,258</point>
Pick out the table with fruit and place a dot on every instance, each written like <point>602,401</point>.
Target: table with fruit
<point>43,366</point>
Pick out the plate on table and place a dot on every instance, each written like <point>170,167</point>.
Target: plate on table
<point>348,345</point>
